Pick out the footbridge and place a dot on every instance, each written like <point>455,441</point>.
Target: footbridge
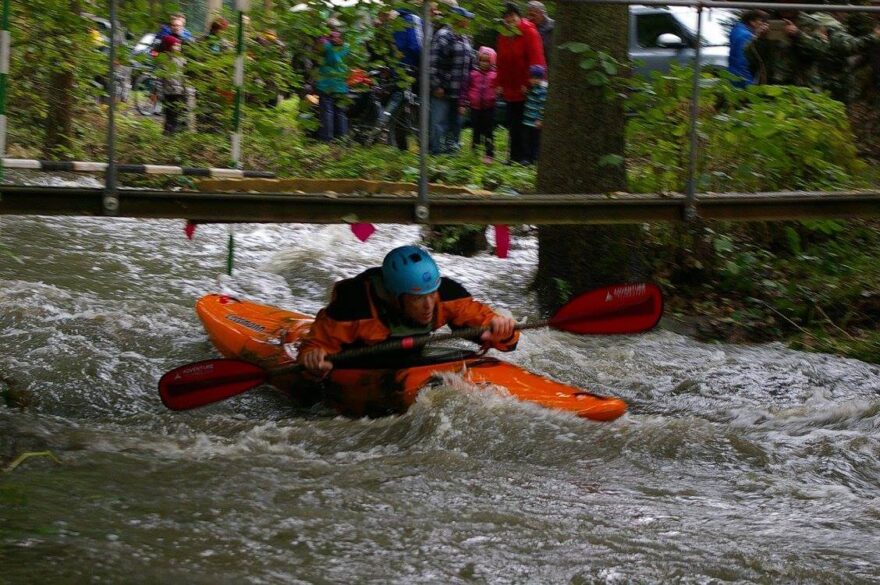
<point>438,208</point>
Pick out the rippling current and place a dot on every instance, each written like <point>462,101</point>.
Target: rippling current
<point>735,464</point>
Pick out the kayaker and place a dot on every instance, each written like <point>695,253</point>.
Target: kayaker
<point>405,296</point>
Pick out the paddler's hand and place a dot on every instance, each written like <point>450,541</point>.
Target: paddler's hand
<point>500,329</point>
<point>315,362</point>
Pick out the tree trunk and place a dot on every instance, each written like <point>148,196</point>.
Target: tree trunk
<point>60,104</point>
<point>582,126</point>
<point>213,10</point>
<point>59,118</point>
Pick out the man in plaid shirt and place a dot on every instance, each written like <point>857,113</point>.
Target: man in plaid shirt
<point>452,59</point>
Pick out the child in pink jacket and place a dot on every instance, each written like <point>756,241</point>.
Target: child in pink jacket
<point>481,101</point>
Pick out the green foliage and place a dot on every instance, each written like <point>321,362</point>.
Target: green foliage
<point>820,289</point>
<point>50,39</point>
<point>765,138</point>
<point>564,290</point>
<point>463,240</point>
<point>602,70</point>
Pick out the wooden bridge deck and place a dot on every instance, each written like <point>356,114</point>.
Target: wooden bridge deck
<point>444,208</point>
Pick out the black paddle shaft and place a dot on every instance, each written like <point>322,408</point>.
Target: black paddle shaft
<point>412,342</point>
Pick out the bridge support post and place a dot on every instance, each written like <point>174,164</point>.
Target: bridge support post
<point>690,209</point>
<point>111,196</point>
<point>422,211</point>
<point>5,44</point>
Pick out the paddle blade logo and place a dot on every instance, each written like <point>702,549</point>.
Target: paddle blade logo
<point>202,383</point>
<point>624,308</point>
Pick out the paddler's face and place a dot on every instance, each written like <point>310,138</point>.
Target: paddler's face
<point>419,308</point>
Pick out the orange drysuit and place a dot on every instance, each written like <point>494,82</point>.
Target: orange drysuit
<point>357,315</point>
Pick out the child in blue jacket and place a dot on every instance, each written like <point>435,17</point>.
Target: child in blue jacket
<point>533,116</point>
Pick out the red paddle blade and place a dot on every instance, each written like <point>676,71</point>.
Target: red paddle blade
<point>202,383</point>
<point>623,308</point>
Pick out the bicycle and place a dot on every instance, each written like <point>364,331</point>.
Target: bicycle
<point>399,120</point>
<point>384,113</point>
<point>147,91</point>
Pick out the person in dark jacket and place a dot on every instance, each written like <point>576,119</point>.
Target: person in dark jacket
<point>452,59</point>
<point>536,12</point>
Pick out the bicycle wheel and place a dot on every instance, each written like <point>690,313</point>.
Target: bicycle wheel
<point>365,128</point>
<point>145,90</point>
<point>410,121</point>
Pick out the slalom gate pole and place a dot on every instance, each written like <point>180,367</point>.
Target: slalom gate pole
<point>5,43</point>
<point>241,6</point>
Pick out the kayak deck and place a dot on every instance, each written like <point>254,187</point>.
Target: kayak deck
<point>260,333</point>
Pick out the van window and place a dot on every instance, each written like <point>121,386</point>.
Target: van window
<point>651,26</point>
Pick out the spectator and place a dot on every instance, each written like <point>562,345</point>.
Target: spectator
<point>536,12</point>
<point>518,49</point>
<point>452,59</point>
<point>408,39</point>
<point>399,40</point>
<point>787,54</point>
<point>836,65</point>
<point>481,96</point>
<point>176,27</point>
<point>533,117</point>
<point>332,86</point>
<point>173,84</point>
<point>217,43</point>
<point>753,23</point>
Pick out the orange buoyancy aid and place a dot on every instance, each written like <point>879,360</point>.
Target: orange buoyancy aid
<point>358,316</point>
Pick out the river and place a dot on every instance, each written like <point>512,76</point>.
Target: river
<point>735,464</point>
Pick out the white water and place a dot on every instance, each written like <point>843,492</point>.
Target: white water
<point>744,464</point>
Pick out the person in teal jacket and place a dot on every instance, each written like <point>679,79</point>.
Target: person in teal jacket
<point>332,87</point>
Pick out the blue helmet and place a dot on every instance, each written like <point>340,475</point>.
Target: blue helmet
<point>410,270</point>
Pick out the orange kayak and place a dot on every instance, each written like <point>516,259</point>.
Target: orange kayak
<point>260,333</point>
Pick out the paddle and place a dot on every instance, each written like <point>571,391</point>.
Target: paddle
<point>627,308</point>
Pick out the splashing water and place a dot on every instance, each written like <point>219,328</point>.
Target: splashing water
<point>735,464</point>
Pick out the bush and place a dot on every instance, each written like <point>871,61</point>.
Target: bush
<point>764,138</point>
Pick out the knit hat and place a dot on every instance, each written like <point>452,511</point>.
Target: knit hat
<point>169,42</point>
<point>538,71</point>
<point>493,56</point>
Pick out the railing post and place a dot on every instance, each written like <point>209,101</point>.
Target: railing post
<point>422,211</point>
<point>690,210</point>
<point>111,195</point>
<point>4,76</point>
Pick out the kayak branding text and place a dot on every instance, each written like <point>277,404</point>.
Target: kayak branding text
<point>196,369</point>
<point>246,323</point>
<point>630,290</point>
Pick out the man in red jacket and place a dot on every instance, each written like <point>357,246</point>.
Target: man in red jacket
<point>518,49</point>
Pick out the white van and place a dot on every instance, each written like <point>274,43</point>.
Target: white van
<point>660,36</point>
